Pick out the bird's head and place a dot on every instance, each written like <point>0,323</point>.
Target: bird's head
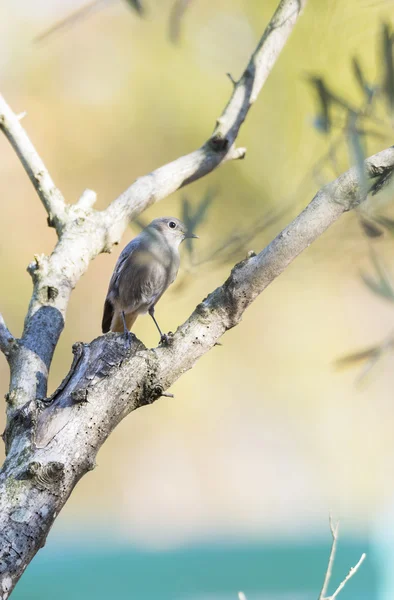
<point>172,229</point>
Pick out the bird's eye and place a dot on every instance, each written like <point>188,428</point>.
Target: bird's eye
<point>172,224</point>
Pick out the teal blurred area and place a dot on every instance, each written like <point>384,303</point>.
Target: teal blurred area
<point>269,571</point>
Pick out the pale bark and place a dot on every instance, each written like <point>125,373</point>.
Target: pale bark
<point>52,442</point>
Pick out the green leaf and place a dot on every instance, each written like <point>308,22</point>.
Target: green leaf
<point>355,358</point>
<point>137,5</point>
<point>323,119</point>
<point>381,285</point>
<point>388,66</point>
<point>367,90</point>
<point>386,223</point>
<point>177,13</point>
<point>357,154</point>
<point>370,228</point>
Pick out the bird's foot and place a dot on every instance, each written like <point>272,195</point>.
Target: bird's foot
<point>127,339</point>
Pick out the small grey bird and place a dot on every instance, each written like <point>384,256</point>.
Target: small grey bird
<point>145,269</point>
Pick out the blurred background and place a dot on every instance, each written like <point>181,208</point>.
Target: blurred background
<point>228,486</point>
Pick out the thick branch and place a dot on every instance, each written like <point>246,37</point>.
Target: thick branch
<point>49,194</point>
<point>50,448</point>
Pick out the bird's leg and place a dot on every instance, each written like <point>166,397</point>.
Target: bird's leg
<point>126,331</point>
<point>163,336</point>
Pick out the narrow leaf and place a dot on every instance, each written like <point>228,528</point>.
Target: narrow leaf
<point>357,154</point>
<point>177,13</point>
<point>388,66</point>
<point>137,5</point>
<point>323,119</point>
<point>362,82</point>
<point>381,286</point>
<point>355,358</point>
<point>370,228</point>
<point>386,223</point>
<point>70,20</point>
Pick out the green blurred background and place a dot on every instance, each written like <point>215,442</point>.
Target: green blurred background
<point>227,486</point>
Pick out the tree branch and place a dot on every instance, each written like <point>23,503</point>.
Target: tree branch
<point>334,533</point>
<point>52,443</point>
<point>50,447</point>
<point>322,596</point>
<point>49,194</point>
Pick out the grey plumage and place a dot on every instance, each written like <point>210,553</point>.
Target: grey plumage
<point>145,269</point>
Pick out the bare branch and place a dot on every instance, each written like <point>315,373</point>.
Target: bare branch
<point>220,146</point>
<point>352,572</point>
<point>334,533</point>
<point>49,194</point>
<point>51,446</point>
<point>322,596</point>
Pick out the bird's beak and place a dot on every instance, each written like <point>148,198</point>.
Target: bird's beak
<point>191,235</point>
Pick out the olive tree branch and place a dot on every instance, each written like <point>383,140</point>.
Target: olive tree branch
<point>49,194</point>
<point>334,533</point>
<point>51,446</point>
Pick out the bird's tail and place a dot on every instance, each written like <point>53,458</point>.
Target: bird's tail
<point>117,322</point>
<point>107,316</point>
<point>112,319</point>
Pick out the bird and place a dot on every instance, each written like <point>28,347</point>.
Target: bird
<point>144,270</point>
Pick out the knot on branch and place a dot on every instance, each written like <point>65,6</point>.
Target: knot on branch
<point>202,309</point>
<point>80,395</point>
<point>50,220</point>
<point>21,422</point>
<point>47,476</point>
<point>13,397</point>
<point>250,71</point>
<point>38,267</point>
<point>52,293</point>
<point>218,143</point>
<point>156,392</point>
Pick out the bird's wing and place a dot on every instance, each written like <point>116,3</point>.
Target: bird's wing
<point>127,252</point>
<point>113,288</point>
<point>142,281</point>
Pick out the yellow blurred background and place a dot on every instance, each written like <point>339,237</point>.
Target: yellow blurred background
<point>264,436</point>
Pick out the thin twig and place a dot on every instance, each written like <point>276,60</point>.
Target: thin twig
<point>49,194</point>
<point>352,572</point>
<point>334,533</point>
